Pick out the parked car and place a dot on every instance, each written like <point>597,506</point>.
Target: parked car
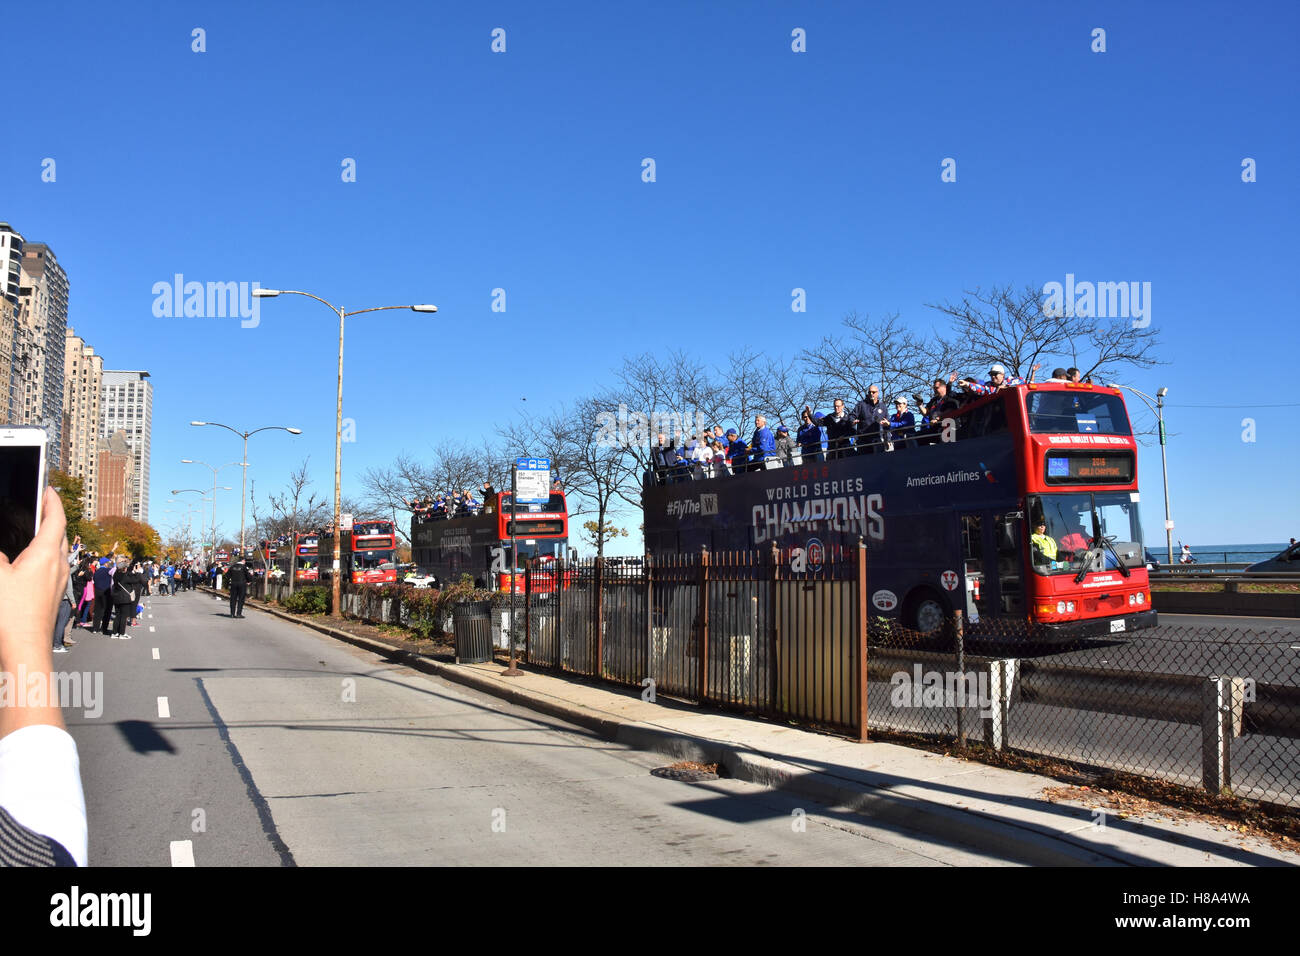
<point>1287,560</point>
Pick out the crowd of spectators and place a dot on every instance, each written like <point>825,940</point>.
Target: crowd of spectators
<point>869,428</point>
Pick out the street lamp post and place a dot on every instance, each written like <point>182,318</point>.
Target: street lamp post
<point>1159,409</point>
<point>243,494</point>
<point>192,461</point>
<point>336,609</point>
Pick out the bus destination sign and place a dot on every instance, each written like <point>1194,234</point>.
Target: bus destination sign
<point>1089,468</point>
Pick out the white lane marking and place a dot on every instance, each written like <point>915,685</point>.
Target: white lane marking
<point>151,628</point>
<point>151,617</point>
<point>163,709</point>
<point>182,852</point>
<point>155,653</point>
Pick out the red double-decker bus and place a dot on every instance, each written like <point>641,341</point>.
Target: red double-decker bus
<point>368,553</point>
<point>304,563</point>
<point>1021,506</point>
<point>478,545</point>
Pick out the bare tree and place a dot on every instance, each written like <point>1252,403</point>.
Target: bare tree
<point>294,511</point>
<point>883,352</point>
<point>1012,327</point>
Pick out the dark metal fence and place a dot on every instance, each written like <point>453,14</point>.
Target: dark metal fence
<point>733,630</point>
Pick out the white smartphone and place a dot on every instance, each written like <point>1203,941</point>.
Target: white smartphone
<point>22,482</point>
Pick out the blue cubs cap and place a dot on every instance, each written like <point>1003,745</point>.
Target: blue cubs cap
<point>782,428</point>
<point>732,431</point>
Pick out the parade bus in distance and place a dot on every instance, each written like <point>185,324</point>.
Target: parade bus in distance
<point>479,545</point>
<point>305,564</point>
<point>368,553</point>
<point>952,524</point>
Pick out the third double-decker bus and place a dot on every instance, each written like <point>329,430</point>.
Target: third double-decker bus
<point>1022,509</point>
<point>368,553</point>
<point>305,563</point>
<point>479,545</point>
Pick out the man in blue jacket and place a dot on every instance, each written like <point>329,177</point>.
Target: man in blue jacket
<point>763,445</point>
<point>103,601</point>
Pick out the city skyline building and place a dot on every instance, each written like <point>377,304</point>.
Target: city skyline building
<point>126,405</point>
<point>82,392</point>
<point>116,468</point>
<point>43,314</point>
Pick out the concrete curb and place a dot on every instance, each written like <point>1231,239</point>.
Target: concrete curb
<point>968,827</point>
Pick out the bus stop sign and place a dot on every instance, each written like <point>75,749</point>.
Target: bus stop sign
<point>533,480</point>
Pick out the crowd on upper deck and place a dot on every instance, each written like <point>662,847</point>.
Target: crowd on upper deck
<point>869,428</point>
<point>458,504</point>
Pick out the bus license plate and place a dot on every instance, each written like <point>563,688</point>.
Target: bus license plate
<point>1116,626</point>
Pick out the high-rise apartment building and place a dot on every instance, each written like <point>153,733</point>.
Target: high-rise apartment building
<point>11,257</point>
<point>126,405</point>
<point>39,343</point>
<point>83,382</point>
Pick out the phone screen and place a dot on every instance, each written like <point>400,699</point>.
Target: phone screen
<point>20,479</point>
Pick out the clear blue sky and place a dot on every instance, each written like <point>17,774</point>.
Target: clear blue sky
<point>775,170</point>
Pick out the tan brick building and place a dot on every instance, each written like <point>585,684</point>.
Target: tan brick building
<point>83,379</point>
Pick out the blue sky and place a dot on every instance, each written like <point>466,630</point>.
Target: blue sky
<point>522,170</point>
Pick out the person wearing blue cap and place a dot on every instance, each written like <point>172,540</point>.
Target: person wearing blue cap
<point>784,446</point>
<point>737,451</point>
<point>810,436</point>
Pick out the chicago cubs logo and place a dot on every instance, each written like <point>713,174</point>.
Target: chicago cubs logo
<point>816,555</point>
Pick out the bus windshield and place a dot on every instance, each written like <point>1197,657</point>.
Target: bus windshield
<point>1062,528</point>
<point>1076,413</point>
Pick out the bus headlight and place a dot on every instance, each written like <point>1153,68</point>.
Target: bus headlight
<point>1142,597</point>
<point>1132,599</point>
<point>1069,606</point>
<point>1060,607</point>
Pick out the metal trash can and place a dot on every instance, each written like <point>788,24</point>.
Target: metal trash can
<point>473,626</point>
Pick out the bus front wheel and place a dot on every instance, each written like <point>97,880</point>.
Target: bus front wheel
<point>926,612</point>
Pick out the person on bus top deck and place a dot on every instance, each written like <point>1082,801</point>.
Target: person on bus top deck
<point>1059,376</point>
<point>901,423</point>
<point>810,436</point>
<point>839,431</point>
<point>737,451</point>
<point>763,444</point>
<point>785,446</point>
<point>869,418</point>
<point>662,456</point>
<point>1072,374</point>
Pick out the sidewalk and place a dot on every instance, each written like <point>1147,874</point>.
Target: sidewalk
<point>992,810</point>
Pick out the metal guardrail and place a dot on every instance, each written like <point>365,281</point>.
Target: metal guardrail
<point>1275,577</point>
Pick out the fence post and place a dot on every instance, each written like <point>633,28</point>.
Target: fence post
<point>959,640</point>
<point>649,617</point>
<point>598,612</point>
<point>1216,745</point>
<point>703,644</point>
<point>1001,679</point>
<point>774,631</point>
<point>862,641</point>
<point>528,609</point>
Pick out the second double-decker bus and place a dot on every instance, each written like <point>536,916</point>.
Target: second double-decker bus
<point>368,553</point>
<point>479,545</point>
<point>1022,509</point>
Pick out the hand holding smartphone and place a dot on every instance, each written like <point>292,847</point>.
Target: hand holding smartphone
<point>22,480</point>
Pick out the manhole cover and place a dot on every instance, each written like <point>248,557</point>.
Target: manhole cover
<point>688,771</point>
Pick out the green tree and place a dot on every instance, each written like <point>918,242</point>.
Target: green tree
<point>72,491</point>
<point>599,532</point>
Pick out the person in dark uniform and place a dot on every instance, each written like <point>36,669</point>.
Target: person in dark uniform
<point>237,579</point>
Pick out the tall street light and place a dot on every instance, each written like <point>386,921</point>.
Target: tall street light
<point>1159,408</point>
<point>213,499</point>
<point>337,610</point>
<point>243,494</point>
<point>191,461</point>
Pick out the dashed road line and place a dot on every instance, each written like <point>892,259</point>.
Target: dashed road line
<point>151,629</point>
<point>182,852</point>
<point>155,653</point>
<point>163,709</point>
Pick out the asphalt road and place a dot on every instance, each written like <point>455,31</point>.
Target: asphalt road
<point>279,746</point>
